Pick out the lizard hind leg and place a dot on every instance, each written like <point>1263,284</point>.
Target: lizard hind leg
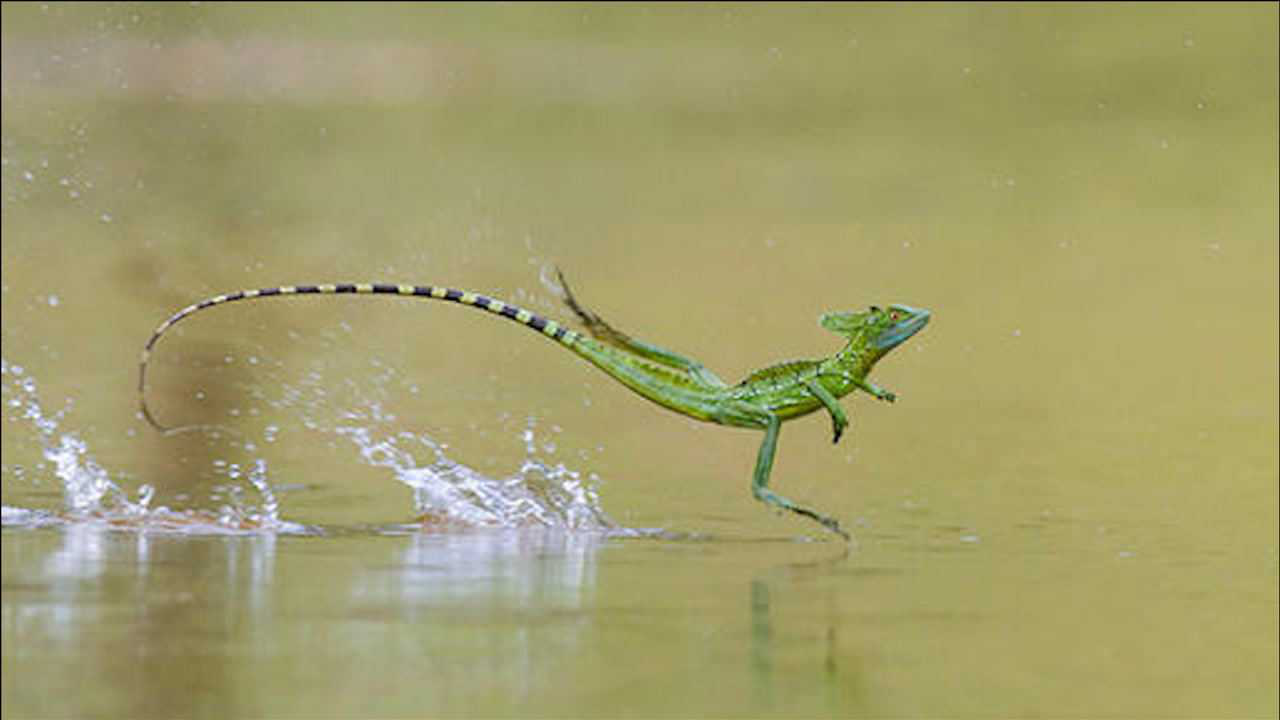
<point>760,482</point>
<point>594,324</point>
<point>606,333</point>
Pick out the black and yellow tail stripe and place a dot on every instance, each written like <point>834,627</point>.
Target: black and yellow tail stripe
<point>550,328</point>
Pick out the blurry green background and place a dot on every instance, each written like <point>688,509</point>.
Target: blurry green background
<point>1084,195</point>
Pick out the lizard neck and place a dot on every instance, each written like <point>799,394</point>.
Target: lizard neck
<point>853,360</point>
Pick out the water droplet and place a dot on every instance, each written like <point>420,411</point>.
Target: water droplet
<point>105,217</point>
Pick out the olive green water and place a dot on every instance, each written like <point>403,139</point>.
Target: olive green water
<point>1070,511</point>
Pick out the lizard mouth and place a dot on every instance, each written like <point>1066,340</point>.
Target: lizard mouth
<point>904,329</point>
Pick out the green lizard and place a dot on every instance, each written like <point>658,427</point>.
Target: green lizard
<point>762,401</point>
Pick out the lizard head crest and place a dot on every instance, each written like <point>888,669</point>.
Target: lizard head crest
<point>879,328</point>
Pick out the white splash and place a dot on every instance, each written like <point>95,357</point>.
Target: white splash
<point>539,493</point>
<point>90,496</point>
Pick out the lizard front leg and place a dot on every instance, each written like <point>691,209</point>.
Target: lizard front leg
<point>838,419</point>
<point>872,389</point>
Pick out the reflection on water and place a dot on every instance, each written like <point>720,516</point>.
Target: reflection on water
<point>90,555</point>
<point>820,665</point>
<point>102,614</point>
<point>535,565</point>
<point>458,621</point>
<point>450,567</point>
<point>762,643</point>
<point>195,615</point>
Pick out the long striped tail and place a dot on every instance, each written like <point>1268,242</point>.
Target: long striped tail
<point>550,328</point>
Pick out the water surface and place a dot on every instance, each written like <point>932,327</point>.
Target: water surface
<point>408,509</point>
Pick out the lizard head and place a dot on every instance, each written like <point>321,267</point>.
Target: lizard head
<point>881,329</point>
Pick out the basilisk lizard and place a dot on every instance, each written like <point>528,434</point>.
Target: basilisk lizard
<point>762,401</point>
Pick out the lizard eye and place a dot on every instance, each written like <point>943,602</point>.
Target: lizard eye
<point>894,315</point>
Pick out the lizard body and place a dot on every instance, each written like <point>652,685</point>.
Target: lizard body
<point>761,401</point>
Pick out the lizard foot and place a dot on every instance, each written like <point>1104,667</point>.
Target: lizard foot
<point>829,523</point>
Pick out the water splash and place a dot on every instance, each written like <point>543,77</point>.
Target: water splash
<point>240,511</point>
<point>540,493</point>
<point>86,485</point>
<point>90,496</point>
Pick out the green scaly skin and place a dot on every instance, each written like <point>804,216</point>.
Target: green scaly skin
<point>762,401</point>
